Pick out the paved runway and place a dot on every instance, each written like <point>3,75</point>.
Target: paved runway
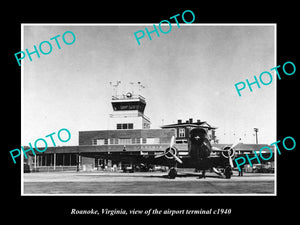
<point>112,183</point>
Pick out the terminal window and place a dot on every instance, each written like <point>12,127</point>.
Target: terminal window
<point>100,141</point>
<point>136,140</point>
<point>114,141</point>
<point>181,132</point>
<point>152,140</point>
<point>124,141</point>
<point>66,159</point>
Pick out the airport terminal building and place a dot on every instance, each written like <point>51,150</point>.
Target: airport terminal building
<point>129,131</point>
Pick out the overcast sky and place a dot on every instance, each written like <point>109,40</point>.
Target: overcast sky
<point>188,73</point>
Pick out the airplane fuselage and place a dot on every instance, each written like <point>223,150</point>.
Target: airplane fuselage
<point>199,145</point>
<point>200,153</point>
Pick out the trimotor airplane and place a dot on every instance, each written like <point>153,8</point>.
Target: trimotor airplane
<point>202,155</point>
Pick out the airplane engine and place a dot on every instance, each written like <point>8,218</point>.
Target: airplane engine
<point>228,152</point>
<point>170,152</point>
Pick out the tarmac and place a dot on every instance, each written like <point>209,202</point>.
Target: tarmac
<point>145,183</point>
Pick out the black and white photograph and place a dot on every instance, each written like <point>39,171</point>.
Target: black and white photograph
<point>145,112</point>
<point>129,109</point>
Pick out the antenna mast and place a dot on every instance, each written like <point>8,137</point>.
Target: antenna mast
<point>140,87</point>
<point>115,86</point>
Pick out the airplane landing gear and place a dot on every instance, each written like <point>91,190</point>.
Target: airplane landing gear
<point>172,173</point>
<point>228,172</point>
<point>202,175</point>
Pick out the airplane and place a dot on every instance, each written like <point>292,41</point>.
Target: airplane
<point>202,155</point>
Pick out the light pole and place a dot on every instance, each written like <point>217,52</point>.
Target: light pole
<point>256,130</point>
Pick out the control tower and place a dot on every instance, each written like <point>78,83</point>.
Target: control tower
<point>128,112</point>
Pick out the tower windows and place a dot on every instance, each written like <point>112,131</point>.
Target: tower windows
<point>124,126</point>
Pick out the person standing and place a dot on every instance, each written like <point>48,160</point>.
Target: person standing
<point>241,171</point>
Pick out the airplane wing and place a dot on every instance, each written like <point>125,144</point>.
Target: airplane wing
<point>138,153</point>
<point>241,148</point>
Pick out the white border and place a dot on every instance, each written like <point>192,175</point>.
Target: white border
<point>22,110</point>
<point>144,24</point>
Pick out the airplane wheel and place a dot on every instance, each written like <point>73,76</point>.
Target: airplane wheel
<point>228,172</point>
<point>172,173</point>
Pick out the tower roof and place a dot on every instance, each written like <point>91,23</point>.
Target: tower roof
<point>128,102</point>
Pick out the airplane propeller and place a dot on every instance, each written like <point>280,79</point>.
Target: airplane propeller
<point>175,157</point>
<point>231,154</point>
<point>235,144</point>
<point>230,161</point>
<point>172,142</point>
<point>169,151</point>
<point>228,152</point>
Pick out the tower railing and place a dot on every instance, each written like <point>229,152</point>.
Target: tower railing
<point>124,96</point>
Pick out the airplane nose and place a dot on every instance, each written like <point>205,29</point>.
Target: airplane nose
<point>200,146</point>
<point>198,134</point>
